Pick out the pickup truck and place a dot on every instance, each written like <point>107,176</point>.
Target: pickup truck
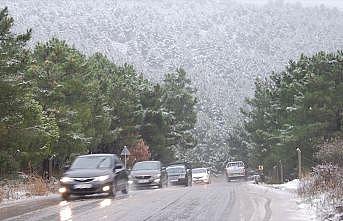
<point>235,170</point>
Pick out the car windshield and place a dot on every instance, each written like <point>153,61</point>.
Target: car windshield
<point>92,162</point>
<point>146,166</point>
<point>235,164</point>
<point>199,170</point>
<point>179,169</point>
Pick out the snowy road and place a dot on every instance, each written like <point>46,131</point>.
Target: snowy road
<point>217,201</point>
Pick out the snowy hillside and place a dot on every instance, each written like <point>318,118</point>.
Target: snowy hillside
<point>223,44</point>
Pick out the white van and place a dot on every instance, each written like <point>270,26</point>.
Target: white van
<point>235,170</point>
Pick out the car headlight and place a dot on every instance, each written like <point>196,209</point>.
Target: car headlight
<point>66,179</point>
<point>101,178</point>
<point>157,175</point>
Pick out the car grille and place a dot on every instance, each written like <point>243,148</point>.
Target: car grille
<point>83,179</point>
<point>84,190</point>
<point>143,177</point>
<point>176,176</point>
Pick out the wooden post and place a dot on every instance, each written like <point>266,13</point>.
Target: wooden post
<point>281,172</point>
<point>299,163</point>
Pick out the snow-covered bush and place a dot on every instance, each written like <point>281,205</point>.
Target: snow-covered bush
<point>324,186</point>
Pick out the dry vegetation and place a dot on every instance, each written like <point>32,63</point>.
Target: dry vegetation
<point>2,194</point>
<point>324,186</point>
<point>23,188</point>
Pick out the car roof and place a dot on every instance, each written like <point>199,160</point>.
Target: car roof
<point>236,162</point>
<point>98,155</point>
<point>200,168</point>
<point>177,166</point>
<point>188,165</point>
<point>150,161</point>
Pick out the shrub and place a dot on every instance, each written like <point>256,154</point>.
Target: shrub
<point>37,186</point>
<point>325,187</point>
<point>2,195</point>
<point>331,152</point>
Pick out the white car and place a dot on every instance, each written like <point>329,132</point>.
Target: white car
<point>235,170</point>
<point>201,175</point>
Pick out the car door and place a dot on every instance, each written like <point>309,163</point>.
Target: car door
<point>120,174</point>
<point>164,175</point>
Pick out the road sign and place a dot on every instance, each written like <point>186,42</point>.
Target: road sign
<point>260,167</point>
<point>125,152</point>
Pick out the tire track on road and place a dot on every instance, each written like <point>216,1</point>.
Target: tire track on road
<point>228,206</point>
<point>166,206</point>
<point>268,210</point>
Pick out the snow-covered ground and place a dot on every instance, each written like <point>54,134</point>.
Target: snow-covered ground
<point>305,209</point>
<point>25,199</point>
<point>291,186</point>
<point>308,3</point>
<point>218,201</point>
<point>316,208</point>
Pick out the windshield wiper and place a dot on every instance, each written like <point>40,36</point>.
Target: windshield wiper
<point>102,160</point>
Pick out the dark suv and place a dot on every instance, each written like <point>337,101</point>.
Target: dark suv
<point>180,173</point>
<point>95,173</point>
<point>148,173</point>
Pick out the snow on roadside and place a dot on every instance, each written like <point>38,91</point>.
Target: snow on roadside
<point>10,202</point>
<point>316,208</point>
<point>305,208</point>
<point>291,186</point>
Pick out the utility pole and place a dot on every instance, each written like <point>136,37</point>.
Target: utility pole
<point>281,171</point>
<point>125,160</point>
<point>275,174</point>
<point>299,162</point>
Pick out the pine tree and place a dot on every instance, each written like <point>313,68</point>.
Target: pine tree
<point>296,108</point>
<point>179,99</point>
<point>24,128</point>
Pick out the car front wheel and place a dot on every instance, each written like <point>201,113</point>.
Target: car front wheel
<point>66,196</point>
<point>113,191</point>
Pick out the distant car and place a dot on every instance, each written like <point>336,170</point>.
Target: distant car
<point>253,175</point>
<point>180,174</point>
<point>235,170</point>
<point>148,173</point>
<point>95,173</point>
<point>201,175</point>
<point>23,176</point>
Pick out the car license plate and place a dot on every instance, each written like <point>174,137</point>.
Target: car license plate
<point>83,186</point>
<point>143,181</point>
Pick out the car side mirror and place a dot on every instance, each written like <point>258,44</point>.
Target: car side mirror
<point>66,167</point>
<point>163,168</point>
<point>118,167</point>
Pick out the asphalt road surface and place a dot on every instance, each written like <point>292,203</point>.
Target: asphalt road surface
<point>217,201</point>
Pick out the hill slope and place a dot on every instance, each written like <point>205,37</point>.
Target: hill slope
<point>222,44</point>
